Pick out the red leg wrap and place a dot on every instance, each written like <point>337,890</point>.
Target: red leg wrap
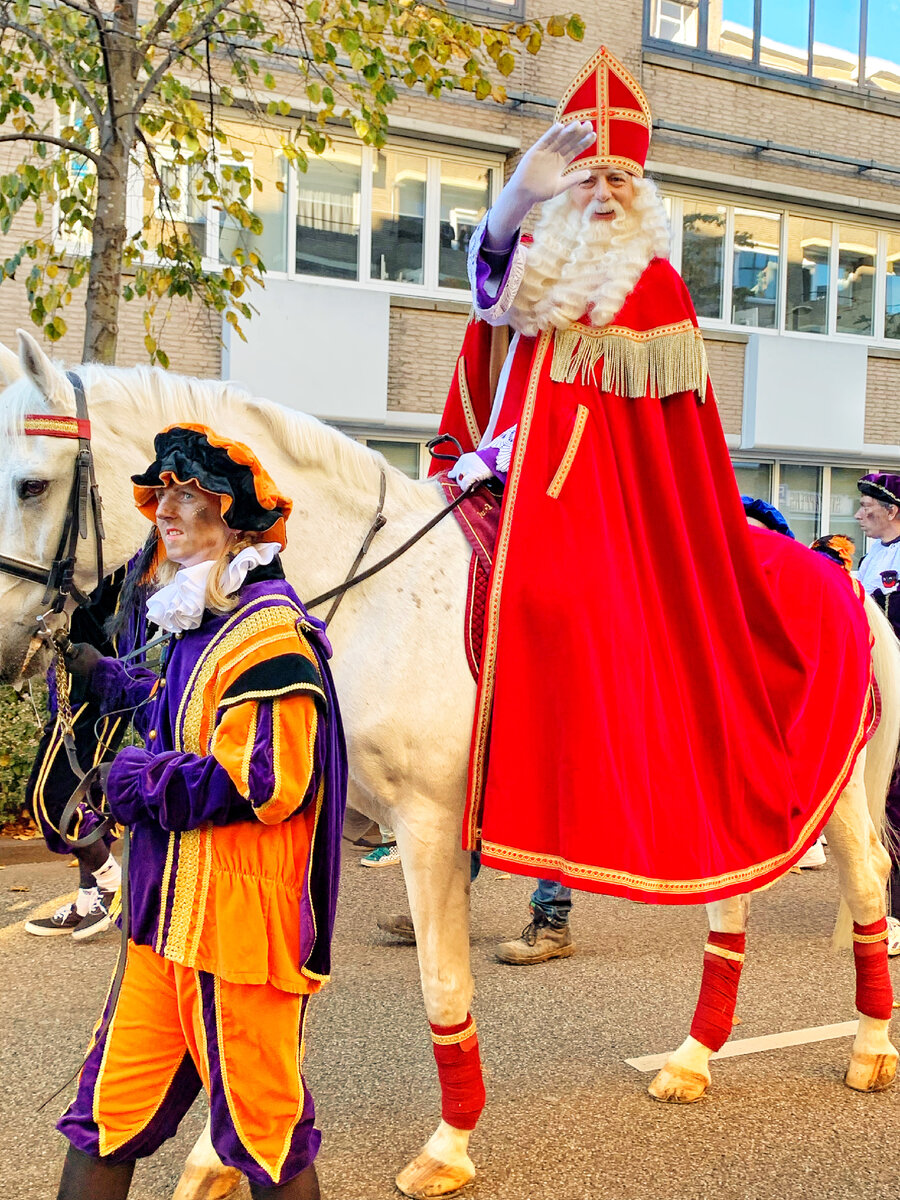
<point>714,1014</point>
<point>459,1070</point>
<point>874,993</point>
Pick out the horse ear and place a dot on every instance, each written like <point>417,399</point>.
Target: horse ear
<point>41,371</point>
<point>10,367</point>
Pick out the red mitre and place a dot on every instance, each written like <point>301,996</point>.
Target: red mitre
<point>605,94</point>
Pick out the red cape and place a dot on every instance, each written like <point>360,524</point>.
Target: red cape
<point>670,702</point>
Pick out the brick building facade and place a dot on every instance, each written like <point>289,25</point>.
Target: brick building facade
<point>777,147</point>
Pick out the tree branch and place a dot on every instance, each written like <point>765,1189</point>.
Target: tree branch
<point>82,151</point>
<point>159,25</point>
<point>207,29</point>
<point>74,82</point>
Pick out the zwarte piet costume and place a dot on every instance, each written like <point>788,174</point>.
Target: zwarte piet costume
<point>662,713</point>
<point>235,809</point>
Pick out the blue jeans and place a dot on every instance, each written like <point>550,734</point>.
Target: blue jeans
<point>553,902</point>
<point>550,900</point>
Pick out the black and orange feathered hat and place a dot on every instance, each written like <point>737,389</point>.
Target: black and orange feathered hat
<point>605,94</point>
<point>249,499</point>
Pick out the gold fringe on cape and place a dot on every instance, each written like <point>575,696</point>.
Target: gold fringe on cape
<point>668,360</point>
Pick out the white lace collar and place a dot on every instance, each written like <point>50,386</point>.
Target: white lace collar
<point>179,605</point>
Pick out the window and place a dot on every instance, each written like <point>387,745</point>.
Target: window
<point>785,271</point>
<point>856,279</point>
<point>403,455</point>
<point>844,496</point>
<point>391,216</point>
<point>328,214</point>
<point>178,206</point>
<point>398,216</point>
<point>703,256</point>
<point>675,22</point>
<point>892,286</point>
<point>754,479</point>
<point>799,498</point>
<point>852,43</point>
<point>754,289</point>
<point>465,198</point>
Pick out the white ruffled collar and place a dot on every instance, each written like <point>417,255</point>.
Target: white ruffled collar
<point>180,604</point>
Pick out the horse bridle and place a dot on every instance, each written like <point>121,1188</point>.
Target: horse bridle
<point>59,578</point>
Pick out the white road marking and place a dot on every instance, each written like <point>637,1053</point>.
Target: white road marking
<point>755,1045</point>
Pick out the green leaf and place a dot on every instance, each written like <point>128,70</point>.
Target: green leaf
<point>575,28</point>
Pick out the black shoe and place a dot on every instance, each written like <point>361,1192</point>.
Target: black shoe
<point>97,920</point>
<point>64,920</point>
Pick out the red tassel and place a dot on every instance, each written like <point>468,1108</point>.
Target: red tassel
<point>874,992</point>
<point>714,1014</point>
<point>459,1071</point>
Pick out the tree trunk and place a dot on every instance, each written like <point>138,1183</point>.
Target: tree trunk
<point>117,135</point>
<point>101,329</point>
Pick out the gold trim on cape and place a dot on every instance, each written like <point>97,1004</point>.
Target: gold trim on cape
<point>663,361</point>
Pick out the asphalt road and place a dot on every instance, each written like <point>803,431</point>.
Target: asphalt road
<point>567,1119</point>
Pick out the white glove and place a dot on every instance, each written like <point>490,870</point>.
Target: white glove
<point>538,177</point>
<point>468,469</point>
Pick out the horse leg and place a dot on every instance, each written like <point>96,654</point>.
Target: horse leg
<point>436,870</point>
<point>685,1077</point>
<point>205,1176</point>
<point>863,868</point>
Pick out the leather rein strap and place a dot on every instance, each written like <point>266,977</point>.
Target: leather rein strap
<point>83,509</point>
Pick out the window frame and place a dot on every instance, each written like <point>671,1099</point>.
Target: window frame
<point>677,197</point>
<point>434,156</point>
<point>753,65</point>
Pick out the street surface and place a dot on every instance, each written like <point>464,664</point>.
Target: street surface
<point>567,1119</point>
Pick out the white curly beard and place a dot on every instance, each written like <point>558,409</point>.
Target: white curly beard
<point>578,265</point>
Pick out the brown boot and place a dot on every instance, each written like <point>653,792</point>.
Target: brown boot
<point>539,941</point>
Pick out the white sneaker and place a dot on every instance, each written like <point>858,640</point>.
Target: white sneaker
<point>814,857</point>
<point>893,932</point>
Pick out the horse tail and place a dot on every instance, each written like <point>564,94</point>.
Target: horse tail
<point>881,751</point>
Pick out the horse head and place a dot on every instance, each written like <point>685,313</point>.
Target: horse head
<point>37,471</point>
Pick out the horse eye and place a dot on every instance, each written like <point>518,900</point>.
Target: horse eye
<point>29,488</point>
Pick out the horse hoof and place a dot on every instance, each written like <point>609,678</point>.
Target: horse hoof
<point>871,1072</point>
<point>426,1176</point>
<point>204,1183</point>
<point>678,1085</point>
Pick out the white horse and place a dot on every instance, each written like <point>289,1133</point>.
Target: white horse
<point>406,692</point>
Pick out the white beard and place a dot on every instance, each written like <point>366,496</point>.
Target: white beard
<point>580,265</point>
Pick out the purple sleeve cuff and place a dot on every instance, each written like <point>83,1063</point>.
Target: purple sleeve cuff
<point>488,456</point>
<point>119,686</point>
<point>494,274</point>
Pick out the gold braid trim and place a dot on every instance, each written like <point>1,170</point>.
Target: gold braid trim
<point>870,937</point>
<point>665,361</point>
<point>453,1039</point>
<point>723,953</point>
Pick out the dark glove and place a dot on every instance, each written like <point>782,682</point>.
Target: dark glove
<point>81,658</point>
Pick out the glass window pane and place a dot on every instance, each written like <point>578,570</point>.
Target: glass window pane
<point>465,195</point>
<point>398,216</point>
<point>328,214</point>
<point>836,45</point>
<point>844,503</point>
<point>799,498</point>
<point>672,22</point>
<point>856,281</point>
<point>784,35</point>
<point>757,239</point>
<point>703,256</point>
<point>179,209</point>
<point>809,251</point>
<point>883,44</point>
<point>731,28</point>
<point>264,162</point>
<point>403,455</point>
<point>754,479</point>
<point>892,288</point>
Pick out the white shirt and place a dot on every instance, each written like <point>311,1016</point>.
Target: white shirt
<point>884,556</point>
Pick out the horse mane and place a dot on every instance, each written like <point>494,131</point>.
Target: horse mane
<point>174,397</point>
